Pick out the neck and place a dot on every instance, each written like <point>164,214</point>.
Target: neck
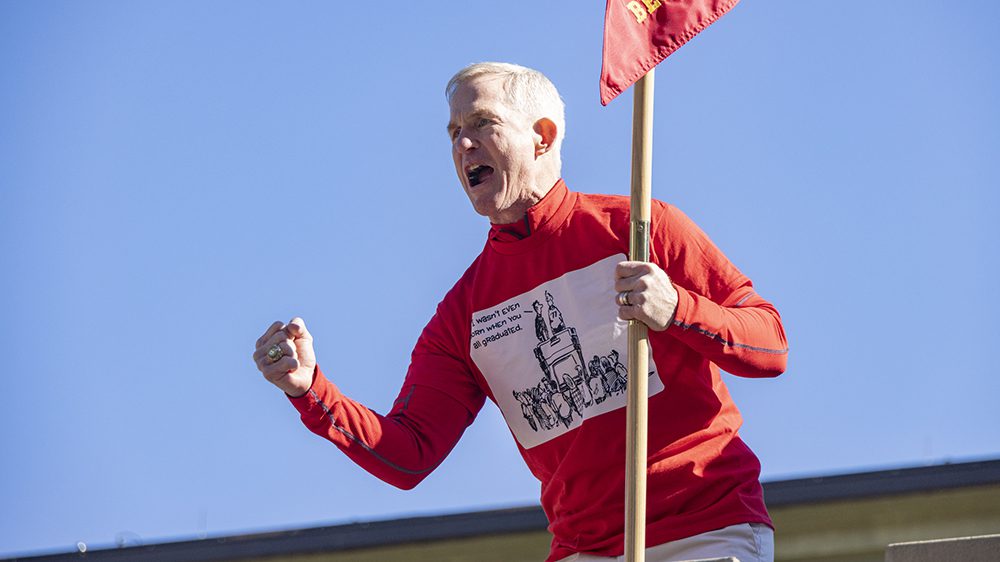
<point>539,189</point>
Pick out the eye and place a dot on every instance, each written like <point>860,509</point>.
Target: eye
<point>482,122</point>
<point>455,132</point>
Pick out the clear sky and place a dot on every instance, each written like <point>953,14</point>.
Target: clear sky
<point>177,175</point>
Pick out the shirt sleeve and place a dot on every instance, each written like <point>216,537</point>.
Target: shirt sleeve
<point>719,314</point>
<point>438,400</point>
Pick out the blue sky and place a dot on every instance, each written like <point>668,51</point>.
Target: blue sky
<point>177,175</point>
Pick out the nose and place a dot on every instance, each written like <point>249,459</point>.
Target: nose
<point>463,143</point>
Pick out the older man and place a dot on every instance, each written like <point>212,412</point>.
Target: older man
<point>566,249</point>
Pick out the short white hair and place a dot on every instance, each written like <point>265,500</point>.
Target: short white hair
<point>527,90</point>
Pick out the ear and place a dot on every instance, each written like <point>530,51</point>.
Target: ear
<point>546,133</point>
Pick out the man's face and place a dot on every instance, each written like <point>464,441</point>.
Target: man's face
<point>494,149</point>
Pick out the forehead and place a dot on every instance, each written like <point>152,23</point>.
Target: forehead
<point>482,94</point>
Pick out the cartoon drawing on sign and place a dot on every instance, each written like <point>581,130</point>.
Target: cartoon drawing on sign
<point>569,384</point>
<point>526,409</point>
<point>541,409</point>
<point>541,330</point>
<point>621,373</point>
<point>595,382</point>
<point>555,317</point>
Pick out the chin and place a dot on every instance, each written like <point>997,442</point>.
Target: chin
<point>486,211</point>
<point>485,206</point>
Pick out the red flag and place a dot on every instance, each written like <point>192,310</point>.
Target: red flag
<point>638,34</point>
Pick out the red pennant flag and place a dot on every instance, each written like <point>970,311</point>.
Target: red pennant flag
<point>638,34</point>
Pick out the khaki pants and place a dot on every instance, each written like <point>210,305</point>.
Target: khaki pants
<point>748,542</point>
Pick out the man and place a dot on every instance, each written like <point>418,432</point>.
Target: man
<point>547,243</point>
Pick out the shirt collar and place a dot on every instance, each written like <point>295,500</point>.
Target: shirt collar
<point>541,219</point>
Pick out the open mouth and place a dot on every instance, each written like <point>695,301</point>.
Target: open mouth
<point>477,174</point>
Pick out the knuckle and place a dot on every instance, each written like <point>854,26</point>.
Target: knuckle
<point>269,369</point>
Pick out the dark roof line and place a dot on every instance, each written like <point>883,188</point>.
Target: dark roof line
<point>323,539</point>
<point>881,483</point>
<point>521,519</point>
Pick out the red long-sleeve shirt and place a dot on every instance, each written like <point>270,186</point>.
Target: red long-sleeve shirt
<point>532,325</point>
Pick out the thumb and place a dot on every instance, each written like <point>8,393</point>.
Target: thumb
<point>297,328</point>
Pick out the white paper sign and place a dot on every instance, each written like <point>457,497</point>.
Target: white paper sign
<point>556,355</point>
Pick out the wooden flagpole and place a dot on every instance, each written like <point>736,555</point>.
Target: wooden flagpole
<point>638,351</point>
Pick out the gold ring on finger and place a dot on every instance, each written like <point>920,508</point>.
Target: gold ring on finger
<point>622,298</point>
<point>275,353</point>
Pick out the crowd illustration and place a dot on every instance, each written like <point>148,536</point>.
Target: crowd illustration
<point>568,384</point>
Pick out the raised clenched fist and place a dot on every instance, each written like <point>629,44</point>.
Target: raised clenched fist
<point>285,356</point>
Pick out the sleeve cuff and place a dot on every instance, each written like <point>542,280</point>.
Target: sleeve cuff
<point>684,304</point>
<point>322,391</point>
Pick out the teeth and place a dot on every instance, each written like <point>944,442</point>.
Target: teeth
<point>473,174</point>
